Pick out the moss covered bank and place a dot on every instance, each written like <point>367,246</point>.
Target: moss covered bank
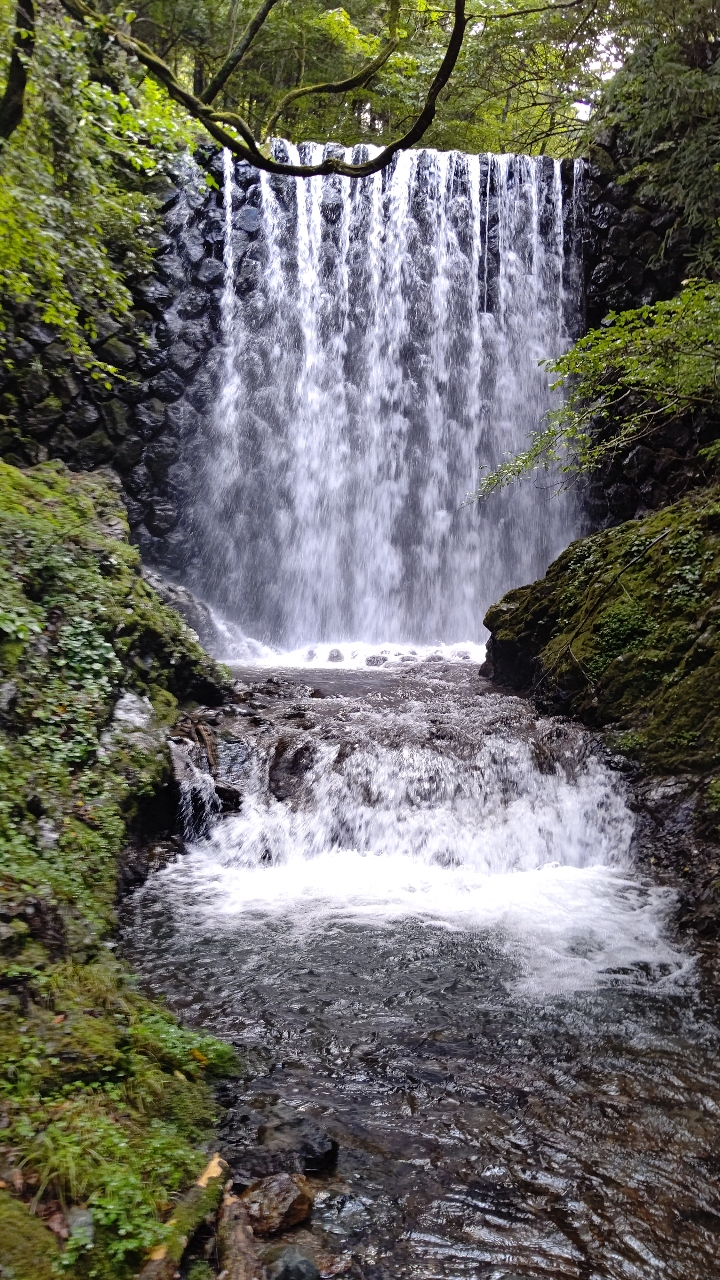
<point>624,632</point>
<point>105,1105</point>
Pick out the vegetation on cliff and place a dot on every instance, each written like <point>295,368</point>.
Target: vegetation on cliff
<point>103,1097</point>
<point>643,371</point>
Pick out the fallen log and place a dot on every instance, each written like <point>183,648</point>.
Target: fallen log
<point>235,1242</point>
<point>203,1198</point>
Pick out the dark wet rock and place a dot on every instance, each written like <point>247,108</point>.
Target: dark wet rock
<point>335,655</point>
<point>161,454</point>
<point>116,417</point>
<point>150,417</point>
<point>375,660</point>
<point>230,797</point>
<point>95,450</point>
<point>194,611</point>
<point>83,420</point>
<point>278,1203</point>
<point>139,483</point>
<point>171,270</point>
<point>118,353</point>
<point>183,359</point>
<point>290,762</point>
<point>316,1150</point>
<point>167,386</point>
<point>129,453</point>
<point>248,220</point>
<point>292,1265</point>
<point>210,273</point>
<point>162,516</point>
<point>41,335</point>
<point>34,387</point>
<point>191,247</point>
<point>155,295</point>
<point>135,511</point>
<point>192,304</point>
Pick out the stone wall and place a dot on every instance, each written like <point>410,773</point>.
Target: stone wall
<point>633,258</point>
<point>164,353</point>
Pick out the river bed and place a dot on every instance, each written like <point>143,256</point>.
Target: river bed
<point>424,930</point>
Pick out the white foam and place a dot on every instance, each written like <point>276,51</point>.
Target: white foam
<point>485,843</point>
<point>359,655</point>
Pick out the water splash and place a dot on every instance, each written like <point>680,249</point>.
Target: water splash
<point>382,344</point>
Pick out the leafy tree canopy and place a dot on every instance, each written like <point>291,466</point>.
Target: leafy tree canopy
<point>87,127</point>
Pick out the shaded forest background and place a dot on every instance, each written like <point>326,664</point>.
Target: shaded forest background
<point>80,177</point>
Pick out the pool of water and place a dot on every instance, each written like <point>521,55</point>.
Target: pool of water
<point>424,930</point>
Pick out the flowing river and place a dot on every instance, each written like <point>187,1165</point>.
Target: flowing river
<point>425,932</point>
<point>461,1007</point>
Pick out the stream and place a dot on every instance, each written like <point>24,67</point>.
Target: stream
<point>424,932</point>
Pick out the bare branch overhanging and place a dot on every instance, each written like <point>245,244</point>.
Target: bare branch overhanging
<point>248,149</point>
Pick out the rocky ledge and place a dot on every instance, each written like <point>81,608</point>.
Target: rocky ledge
<point>623,632</point>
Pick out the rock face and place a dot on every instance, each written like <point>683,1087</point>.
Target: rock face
<point>195,612</point>
<point>167,356</point>
<point>630,259</point>
<point>633,258</point>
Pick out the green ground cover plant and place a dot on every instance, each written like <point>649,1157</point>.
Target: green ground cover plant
<point>105,1100</point>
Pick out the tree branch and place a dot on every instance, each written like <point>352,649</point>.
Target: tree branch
<point>238,53</point>
<point>248,149</point>
<point>339,86</point>
<point>12,104</point>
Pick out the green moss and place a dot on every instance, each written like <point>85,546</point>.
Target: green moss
<point>624,631</point>
<point>104,1096</point>
<point>27,1249</point>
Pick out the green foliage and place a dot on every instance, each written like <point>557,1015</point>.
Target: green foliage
<point>76,204</point>
<point>666,101</point>
<point>103,1094</point>
<point>641,370</point>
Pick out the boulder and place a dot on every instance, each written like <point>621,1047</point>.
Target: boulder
<point>167,386</point>
<point>117,353</point>
<point>292,1265</point>
<point>278,1203</point>
<point>94,451</point>
<point>210,273</point>
<point>162,517</point>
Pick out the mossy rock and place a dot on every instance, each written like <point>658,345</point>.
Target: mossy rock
<point>624,632</point>
<point>105,1095</point>
<point>28,1251</point>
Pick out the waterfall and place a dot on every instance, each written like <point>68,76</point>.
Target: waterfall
<point>382,340</point>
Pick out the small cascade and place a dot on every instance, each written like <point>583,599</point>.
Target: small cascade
<point>199,805</point>
<point>382,340</point>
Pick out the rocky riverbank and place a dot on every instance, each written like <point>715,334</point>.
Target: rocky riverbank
<point>623,633</point>
<point>106,1105</point>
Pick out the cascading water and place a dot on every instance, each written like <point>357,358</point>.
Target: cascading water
<point>420,921</point>
<point>382,345</point>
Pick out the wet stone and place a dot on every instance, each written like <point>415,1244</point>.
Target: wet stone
<point>167,386</point>
<point>162,517</point>
<point>184,359</point>
<point>210,273</point>
<point>278,1203</point>
<point>118,353</point>
<point>248,219</point>
<point>291,1265</point>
